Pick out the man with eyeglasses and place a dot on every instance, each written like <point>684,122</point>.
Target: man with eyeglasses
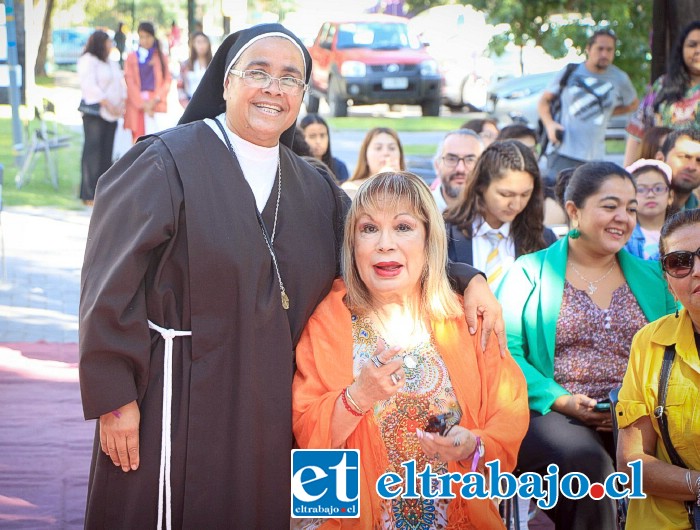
<point>454,161</point>
<point>681,151</point>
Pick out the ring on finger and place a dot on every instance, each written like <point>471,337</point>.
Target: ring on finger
<point>376,361</point>
<point>395,378</point>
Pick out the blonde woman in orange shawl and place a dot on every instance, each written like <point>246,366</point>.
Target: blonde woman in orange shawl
<point>387,349</point>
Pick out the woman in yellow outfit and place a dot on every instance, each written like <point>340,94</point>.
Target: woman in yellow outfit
<point>671,489</point>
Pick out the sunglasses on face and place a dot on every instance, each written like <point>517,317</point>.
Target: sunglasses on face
<point>679,264</point>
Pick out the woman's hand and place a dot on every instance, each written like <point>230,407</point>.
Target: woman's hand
<point>119,436</point>
<point>480,301</point>
<point>149,106</point>
<point>376,383</point>
<point>459,444</point>
<point>580,407</point>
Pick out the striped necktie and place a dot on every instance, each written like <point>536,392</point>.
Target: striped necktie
<point>494,267</point>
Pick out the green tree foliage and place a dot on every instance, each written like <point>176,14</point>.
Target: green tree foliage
<point>557,25</point>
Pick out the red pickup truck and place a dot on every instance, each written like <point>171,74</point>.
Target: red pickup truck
<point>372,60</point>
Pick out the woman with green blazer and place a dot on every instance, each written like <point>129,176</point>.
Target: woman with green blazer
<point>571,311</point>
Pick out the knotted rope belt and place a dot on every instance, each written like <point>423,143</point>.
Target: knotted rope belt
<point>164,489</point>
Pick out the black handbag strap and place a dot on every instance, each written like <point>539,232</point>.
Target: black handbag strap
<point>660,410</point>
<point>660,415</point>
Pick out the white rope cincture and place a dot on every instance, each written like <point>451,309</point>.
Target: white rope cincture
<point>164,489</point>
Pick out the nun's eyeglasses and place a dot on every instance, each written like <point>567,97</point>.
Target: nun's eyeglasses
<point>679,264</point>
<point>259,79</point>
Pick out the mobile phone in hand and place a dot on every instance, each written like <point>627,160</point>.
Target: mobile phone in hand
<point>439,423</point>
<point>602,406</point>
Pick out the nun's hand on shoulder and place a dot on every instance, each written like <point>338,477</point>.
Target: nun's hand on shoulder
<point>479,301</point>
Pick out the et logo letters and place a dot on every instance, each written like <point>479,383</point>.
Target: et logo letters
<point>325,483</point>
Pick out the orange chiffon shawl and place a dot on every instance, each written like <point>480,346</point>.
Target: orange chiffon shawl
<point>490,390</point>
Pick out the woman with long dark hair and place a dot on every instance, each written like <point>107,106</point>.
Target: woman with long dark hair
<point>147,81</point>
<point>571,311</point>
<point>317,135</point>
<point>499,216</point>
<point>101,83</point>
<point>674,98</point>
<point>192,70</point>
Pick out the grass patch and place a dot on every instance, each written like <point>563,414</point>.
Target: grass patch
<point>45,81</point>
<point>419,149</point>
<point>39,190</point>
<point>424,124</point>
<point>615,147</point>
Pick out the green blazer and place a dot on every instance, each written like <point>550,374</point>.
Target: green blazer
<point>531,296</point>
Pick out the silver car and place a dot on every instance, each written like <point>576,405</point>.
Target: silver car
<point>516,98</point>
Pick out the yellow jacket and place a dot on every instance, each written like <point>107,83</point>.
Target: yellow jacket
<point>638,397</point>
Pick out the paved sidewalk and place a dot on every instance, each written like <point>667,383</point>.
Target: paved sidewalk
<point>45,445</point>
<point>40,280</point>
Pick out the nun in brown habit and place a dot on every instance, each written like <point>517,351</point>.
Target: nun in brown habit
<point>210,245</point>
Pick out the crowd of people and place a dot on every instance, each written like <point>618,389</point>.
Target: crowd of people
<point>256,296</point>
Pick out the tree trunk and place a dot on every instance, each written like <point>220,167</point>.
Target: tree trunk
<point>40,65</point>
<point>670,17</point>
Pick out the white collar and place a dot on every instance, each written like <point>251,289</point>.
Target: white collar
<point>481,228</point>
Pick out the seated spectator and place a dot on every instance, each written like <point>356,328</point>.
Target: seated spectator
<point>487,128</point>
<point>669,484</point>
<point>318,136</point>
<point>498,216</point>
<point>653,179</point>
<point>571,311</point>
<point>681,151</point>
<point>381,150</point>
<point>453,163</point>
<point>521,133</point>
<point>379,357</point>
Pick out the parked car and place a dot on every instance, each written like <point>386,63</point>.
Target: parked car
<point>68,44</point>
<point>516,98</point>
<point>372,60</point>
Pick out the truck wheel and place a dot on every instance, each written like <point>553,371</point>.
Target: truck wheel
<point>312,103</point>
<point>431,107</point>
<point>337,103</point>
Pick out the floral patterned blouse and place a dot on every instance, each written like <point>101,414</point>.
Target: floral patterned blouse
<point>677,115</point>
<point>427,391</point>
<point>593,344</point>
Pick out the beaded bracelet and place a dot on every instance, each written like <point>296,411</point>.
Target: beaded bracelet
<point>352,409</point>
<point>697,491</point>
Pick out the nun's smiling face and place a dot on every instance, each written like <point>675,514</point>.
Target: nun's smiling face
<point>261,115</point>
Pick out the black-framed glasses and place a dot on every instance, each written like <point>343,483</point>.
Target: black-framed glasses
<point>259,79</point>
<point>679,264</point>
<point>453,160</point>
<point>656,189</point>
